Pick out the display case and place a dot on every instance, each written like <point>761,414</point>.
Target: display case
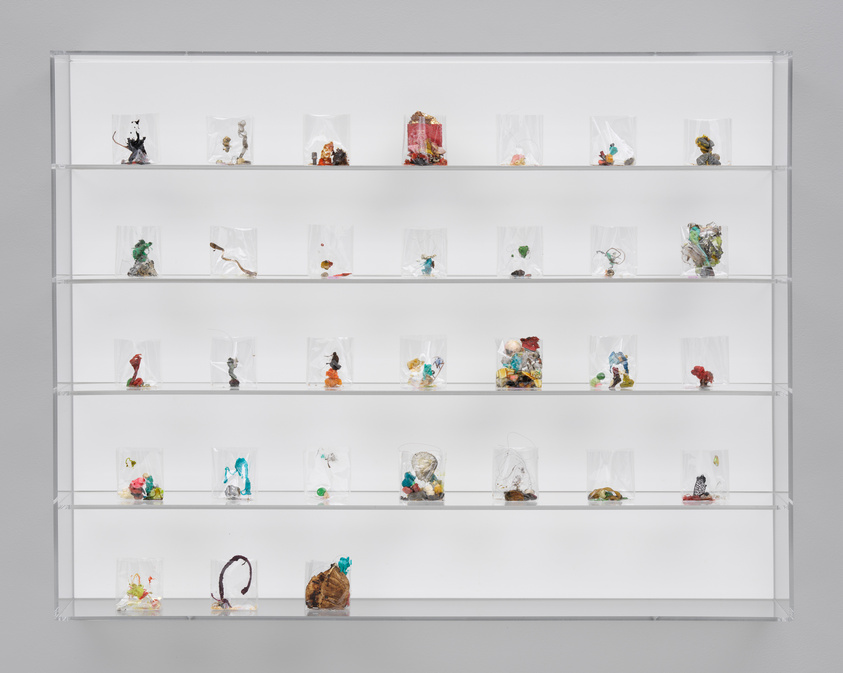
<point>653,556</point>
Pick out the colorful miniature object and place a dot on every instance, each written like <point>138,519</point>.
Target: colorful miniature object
<point>608,158</point>
<point>518,160</point>
<point>597,380</point>
<point>422,483</point>
<point>232,363</point>
<point>332,377</point>
<point>221,250</point>
<point>139,596</point>
<point>142,266</point>
<point>523,253</point>
<point>706,378</point>
<point>425,146</point>
<point>522,364</point>
<point>708,157</point>
<point>616,359</point>
<point>141,488</point>
<point>331,156</point>
<point>330,589</point>
<point>226,146</point>
<point>700,493</point>
<point>423,374</point>
<point>240,473</point>
<point>427,265</point>
<point>614,256</point>
<point>135,145</point>
<point>222,603</point>
<point>136,381</point>
<point>326,265</point>
<point>704,248</point>
<point>606,494</point>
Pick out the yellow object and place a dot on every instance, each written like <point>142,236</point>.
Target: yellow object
<point>414,365</point>
<point>627,382</point>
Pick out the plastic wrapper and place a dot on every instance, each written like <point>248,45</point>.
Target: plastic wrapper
<point>703,250</point>
<point>230,140</point>
<point>234,252</point>
<point>516,471</point>
<point>705,476</point>
<point>612,141</point>
<point>425,253</point>
<point>140,474</point>
<point>233,473</point>
<point>610,476</point>
<point>422,473</point>
<point>705,361</point>
<point>138,252</point>
<point>329,362</point>
<point>423,360</point>
<point>234,584</point>
<point>327,474</point>
<point>520,140</point>
<point>613,361</point>
<point>139,584</point>
<point>330,250</point>
<point>614,251</point>
<point>708,142</point>
<point>327,586</point>
<point>520,252</point>
<point>327,140</point>
<point>424,140</point>
<point>134,139</point>
<point>519,363</point>
<point>233,362</point>
<point>137,364</point>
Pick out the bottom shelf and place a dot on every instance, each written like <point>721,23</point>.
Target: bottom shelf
<point>374,609</point>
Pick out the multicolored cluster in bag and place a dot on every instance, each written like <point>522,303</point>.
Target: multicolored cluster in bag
<point>522,364</point>
<point>332,377</point>
<point>139,596</point>
<point>422,483</point>
<point>425,146</point>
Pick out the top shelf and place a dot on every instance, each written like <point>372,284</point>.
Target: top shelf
<point>399,167</point>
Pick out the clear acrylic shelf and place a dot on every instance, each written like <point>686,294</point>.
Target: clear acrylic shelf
<point>277,388</point>
<point>90,279</point>
<point>399,167</point>
<point>453,609</point>
<point>389,500</point>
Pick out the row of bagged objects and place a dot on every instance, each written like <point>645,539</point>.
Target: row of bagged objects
<point>613,362</point>
<point>233,585</point>
<point>610,474</point>
<point>327,140</point>
<point>614,251</point>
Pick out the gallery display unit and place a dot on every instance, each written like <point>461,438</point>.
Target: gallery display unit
<point>470,556</point>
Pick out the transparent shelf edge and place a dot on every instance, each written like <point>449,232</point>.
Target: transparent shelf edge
<point>390,500</point>
<point>455,609</point>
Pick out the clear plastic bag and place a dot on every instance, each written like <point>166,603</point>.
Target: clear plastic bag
<point>422,361</point>
<point>230,140</point>
<point>705,476</point>
<point>330,250</point>
<point>705,361</point>
<point>139,584</point>
<point>233,362</point>
<point>708,142</point>
<point>424,140</point>
<point>516,471</point>
<point>234,472</point>
<point>610,476</point>
<point>327,586</point>
<point>422,473</point>
<point>327,139</point>
<point>703,250</point>
<point>234,252</point>
<point>614,251</point>
<point>134,139</point>
<point>519,363</point>
<point>140,474</point>
<point>137,364</point>
<point>138,253</point>
<point>612,141</point>
<point>520,252</point>
<point>520,140</point>
<point>329,362</point>
<point>613,361</point>
<point>327,474</point>
<point>425,253</point>
<point>234,584</point>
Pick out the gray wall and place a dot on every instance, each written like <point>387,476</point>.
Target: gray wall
<point>30,640</point>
